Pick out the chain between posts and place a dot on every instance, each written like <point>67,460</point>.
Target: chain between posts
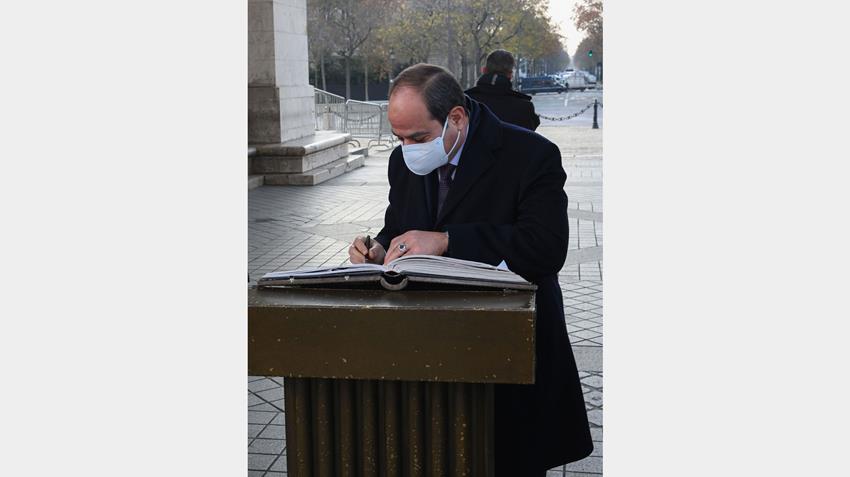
<point>567,117</point>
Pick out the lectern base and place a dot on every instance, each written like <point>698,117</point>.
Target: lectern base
<point>365,428</point>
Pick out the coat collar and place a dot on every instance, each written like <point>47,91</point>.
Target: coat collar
<point>501,87</point>
<point>477,156</point>
<point>495,81</point>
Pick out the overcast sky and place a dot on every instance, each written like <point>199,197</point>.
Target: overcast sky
<point>561,11</point>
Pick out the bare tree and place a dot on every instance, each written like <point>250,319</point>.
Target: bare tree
<point>377,50</point>
<point>320,38</point>
<point>354,21</point>
<point>484,25</point>
<point>414,27</point>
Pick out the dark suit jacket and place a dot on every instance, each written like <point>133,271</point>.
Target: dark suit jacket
<point>507,202</point>
<point>508,105</point>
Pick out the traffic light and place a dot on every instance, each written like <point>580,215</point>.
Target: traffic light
<point>590,53</point>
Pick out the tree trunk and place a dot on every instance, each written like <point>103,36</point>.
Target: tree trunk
<point>366,78</point>
<point>477,61</point>
<point>451,64</point>
<point>515,77</point>
<point>347,77</point>
<point>463,69</point>
<point>389,78</point>
<point>324,82</point>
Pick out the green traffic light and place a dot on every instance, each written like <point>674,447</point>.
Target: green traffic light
<point>590,53</point>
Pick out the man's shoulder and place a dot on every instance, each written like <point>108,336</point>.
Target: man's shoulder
<point>474,90</point>
<point>519,95</point>
<point>396,157</point>
<point>534,145</point>
<point>485,90</point>
<point>396,164</point>
<point>520,133</point>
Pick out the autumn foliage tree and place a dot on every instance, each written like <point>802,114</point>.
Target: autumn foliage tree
<point>539,46</point>
<point>588,19</point>
<point>389,34</point>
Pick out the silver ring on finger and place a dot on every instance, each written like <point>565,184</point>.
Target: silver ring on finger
<point>402,247</point>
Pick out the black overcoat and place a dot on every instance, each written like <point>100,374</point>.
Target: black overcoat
<point>510,106</point>
<point>507,202</point>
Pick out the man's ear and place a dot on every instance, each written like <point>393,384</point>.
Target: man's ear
<point>457,114</point>
<point>483,70</point>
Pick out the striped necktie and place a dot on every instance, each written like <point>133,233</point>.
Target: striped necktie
<point>444,174</point>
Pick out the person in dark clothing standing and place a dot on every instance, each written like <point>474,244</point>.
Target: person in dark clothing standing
<point>494,90</point>
<point>459,189</point>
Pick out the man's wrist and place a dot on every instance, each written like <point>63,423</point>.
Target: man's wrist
<point>446,248</point>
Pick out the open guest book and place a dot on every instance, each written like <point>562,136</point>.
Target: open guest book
<point>426,270</point>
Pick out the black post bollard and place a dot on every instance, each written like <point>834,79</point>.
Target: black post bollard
<point>595,105</point>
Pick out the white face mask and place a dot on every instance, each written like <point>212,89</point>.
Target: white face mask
<point>423,158</point>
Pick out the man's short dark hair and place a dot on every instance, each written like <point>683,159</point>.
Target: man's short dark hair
<point>500,62</point>
<point>438,87</point>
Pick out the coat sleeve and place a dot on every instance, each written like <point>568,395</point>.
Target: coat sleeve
<point>390,230</point>
<point>535,118</point>
<point>535,245</point>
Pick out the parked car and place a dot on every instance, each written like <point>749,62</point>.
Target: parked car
<point>540,84</point>
<point>579,80</point>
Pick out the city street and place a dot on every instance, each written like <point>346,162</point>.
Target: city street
<point>559,105</point>
<point>293,227</point>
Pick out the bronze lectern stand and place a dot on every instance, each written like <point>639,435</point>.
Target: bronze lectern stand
<point>390,383</point>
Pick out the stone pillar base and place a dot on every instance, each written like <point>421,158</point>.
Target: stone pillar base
<point>308,160</point>
<point>280,113</point>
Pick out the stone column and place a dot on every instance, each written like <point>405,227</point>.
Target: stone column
<point>280,98</point>
<point>281,118</point>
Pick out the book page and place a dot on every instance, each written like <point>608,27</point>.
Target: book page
<point>437,266</point>
<point>318,272</point>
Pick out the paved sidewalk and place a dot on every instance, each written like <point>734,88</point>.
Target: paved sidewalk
<point>292,227</point>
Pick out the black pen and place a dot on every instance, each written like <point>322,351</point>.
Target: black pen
<point>368,242</point>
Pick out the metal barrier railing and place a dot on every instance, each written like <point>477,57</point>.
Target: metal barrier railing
<point>362,119</point>
<point>330,110</point>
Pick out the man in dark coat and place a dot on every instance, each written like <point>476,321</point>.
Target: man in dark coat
<point>505,202</point>
<point>494,90</point>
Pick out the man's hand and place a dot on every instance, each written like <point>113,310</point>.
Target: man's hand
<point>357,252</point>
<point>417,242</point>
